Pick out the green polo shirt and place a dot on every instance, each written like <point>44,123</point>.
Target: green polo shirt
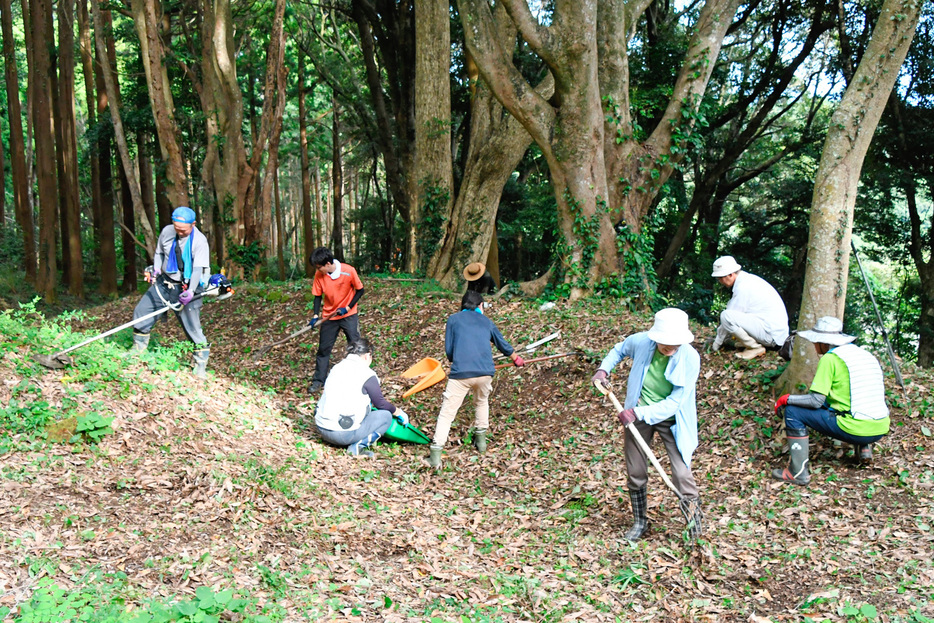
<point>656,387</point>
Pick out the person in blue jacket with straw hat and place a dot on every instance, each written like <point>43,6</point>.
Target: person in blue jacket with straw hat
<point>181,269</point>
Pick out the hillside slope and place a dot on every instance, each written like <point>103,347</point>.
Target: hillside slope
<point>227,486</point>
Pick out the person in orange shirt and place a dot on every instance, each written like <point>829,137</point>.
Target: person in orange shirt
<point>340,287</point>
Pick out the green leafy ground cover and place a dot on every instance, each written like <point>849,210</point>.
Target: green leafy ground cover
<point>221,504</point>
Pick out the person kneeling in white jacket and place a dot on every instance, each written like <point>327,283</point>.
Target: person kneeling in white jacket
<point>352,411</point>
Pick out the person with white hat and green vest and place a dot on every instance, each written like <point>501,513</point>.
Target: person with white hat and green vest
<point>846,401</point>
<point>755,318</point>
<point>661,397</point>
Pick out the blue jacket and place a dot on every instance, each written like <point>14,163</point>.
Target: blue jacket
<point>467,339</point>
<point>682,372</point>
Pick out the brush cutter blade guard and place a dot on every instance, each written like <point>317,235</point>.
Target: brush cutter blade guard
<point>431,372</point>
<point>54,362</point>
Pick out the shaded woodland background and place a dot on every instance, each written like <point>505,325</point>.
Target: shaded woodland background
<point>375,128</point>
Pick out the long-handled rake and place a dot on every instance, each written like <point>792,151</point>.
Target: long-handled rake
<point>683,503</point>
<point>262,351</point>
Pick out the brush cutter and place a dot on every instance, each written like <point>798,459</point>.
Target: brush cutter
<point>218,287</point>
<point>647,451</point>
<point>528,361</point>
<point>262,351</point>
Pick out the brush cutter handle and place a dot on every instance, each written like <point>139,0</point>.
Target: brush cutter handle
<point>646,450</point>
<point>126,325</point>
<point>527,361</point>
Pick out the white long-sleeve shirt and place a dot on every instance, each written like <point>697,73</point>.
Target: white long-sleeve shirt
<point>753,295</point>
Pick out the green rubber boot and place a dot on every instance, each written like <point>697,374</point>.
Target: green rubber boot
<point>434,456</point>
<point>479,440</point>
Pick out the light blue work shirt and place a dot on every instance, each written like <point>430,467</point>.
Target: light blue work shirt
<point>682,371</point>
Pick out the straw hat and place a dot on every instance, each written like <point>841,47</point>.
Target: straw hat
<point>474,271</point>
<point>828,330</point>
<point>671,328</point>
<point>724,266</point>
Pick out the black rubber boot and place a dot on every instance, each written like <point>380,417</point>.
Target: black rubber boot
<point>797,470</point>
<point>640,507</point>
<point>691,509</point>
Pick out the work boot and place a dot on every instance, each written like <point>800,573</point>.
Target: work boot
<point>479,440</point>
<point>140,344</point>
<point>752,348</point>
<point>864,453</point>
<point>200,359</point>
<point>751,353</point>
<point>316,386</point>
<point>434,456</point>
<point>640,507</point>
<point>360,449</point>
<point>797,470</point>
<point>691,509</point>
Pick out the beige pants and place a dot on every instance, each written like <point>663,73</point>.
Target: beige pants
<point>452,399</point>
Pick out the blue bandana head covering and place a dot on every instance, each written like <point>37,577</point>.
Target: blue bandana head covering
<point>183,214</point>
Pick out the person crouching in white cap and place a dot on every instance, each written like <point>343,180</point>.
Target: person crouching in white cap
<point>755,317</point>
<point>846,401</point>
<point>660,398</point>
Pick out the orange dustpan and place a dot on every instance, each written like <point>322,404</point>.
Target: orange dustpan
<point>431,372</point>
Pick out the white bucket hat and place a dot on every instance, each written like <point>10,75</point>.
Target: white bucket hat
<point>671,328</point>
<point>828,330</point>
<point>724,266</point>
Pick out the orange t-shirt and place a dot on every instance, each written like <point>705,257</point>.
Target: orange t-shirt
<point>337,292</point>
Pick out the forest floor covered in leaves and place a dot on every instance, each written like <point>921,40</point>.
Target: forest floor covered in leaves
<point>226,484</point>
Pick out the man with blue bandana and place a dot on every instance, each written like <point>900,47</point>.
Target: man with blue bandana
<point>181,269</point>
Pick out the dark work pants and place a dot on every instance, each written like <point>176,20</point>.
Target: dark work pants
<point>350,325</point>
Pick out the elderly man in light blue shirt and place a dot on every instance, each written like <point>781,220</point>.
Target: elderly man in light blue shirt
<point>660,398</point>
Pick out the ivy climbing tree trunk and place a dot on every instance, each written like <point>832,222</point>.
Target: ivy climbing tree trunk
<point>433,175</point>
<point>602,175</point>
<point>497,143</point>
<point>835,185</point>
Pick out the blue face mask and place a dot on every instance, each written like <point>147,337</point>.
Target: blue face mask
<point>479,310</point>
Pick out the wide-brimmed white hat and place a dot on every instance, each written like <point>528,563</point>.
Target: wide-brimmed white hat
<point>828,330</point>
<point>671,328</point>
<point>724,266</point>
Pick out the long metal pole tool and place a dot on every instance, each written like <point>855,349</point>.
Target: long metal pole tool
<point>885,335</point>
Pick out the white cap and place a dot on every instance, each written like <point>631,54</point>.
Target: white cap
<point>828,330</point>
<point>724,266</point>
<point>671,328</point>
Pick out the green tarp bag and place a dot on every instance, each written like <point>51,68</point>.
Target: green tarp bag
<point>405,432</point>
